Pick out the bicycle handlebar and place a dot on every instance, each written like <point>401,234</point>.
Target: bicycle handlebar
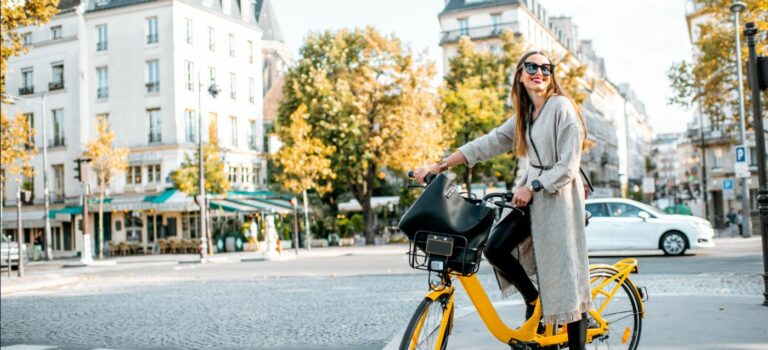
<point>505,196</point>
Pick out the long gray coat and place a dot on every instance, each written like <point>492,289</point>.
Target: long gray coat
<point>558,255</point>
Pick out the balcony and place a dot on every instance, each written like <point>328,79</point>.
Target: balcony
<point>154,137</point>
<point>56,85</point>
<point>102,92</point>
<point>477,33</point>
<point>153,87</point>
<point>713,137</point>
<point>152,38</point>
<point>26,90</point>
<point>101,46</point>
<point>56,142</point>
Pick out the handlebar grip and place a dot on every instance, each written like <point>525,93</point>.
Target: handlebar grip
<point>410,174</point>
<point>427,179</point>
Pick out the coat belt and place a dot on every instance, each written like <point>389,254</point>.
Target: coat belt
<point>542,167</point>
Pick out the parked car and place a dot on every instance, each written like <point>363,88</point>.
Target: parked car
<point>619,224</point>
<point>8,247</point>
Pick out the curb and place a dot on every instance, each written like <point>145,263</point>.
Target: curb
<point>26,287</point>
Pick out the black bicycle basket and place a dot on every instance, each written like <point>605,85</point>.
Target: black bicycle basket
<point>442,215</point>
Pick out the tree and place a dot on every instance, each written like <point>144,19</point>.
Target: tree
<point>368,98</point>
<point>187,177</point>
<point>709,80</point>
<point>475,100</point>
<point>18,14</point>
<point>106,161</point>
<point>18,149</point>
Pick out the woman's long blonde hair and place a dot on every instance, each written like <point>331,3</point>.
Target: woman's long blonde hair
<point>522,104</point>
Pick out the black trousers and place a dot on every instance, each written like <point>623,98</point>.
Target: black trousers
<point>506,235</point>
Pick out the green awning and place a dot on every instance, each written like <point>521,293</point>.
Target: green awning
<point>66,210</point>
<point>230,206</point>
<point>160,198</point>
<point>263,206</point>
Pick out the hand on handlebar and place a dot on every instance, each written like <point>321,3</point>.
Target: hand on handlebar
<point>521,197</point>
<point>420,173</point>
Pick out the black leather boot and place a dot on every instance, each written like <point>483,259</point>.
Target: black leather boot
<point>577,334</point>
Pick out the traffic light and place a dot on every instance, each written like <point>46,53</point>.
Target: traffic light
<point>78,170</point>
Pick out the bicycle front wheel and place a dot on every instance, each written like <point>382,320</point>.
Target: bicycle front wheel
<point>430,325</point>
<point>621,311</point>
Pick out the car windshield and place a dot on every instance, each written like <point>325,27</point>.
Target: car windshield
<point>651,209</point>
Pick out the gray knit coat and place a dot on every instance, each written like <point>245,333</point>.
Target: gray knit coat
<point>557,255</point>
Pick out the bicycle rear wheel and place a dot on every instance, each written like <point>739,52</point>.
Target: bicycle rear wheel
<point>622,312</point>
<point>426,325</point>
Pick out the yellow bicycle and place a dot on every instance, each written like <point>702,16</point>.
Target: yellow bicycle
<point>615,320</point>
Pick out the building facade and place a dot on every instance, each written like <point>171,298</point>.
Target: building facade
<point>616,143</point>
<point>144,66</point>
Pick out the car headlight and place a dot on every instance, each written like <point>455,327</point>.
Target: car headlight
<point>698,224</point>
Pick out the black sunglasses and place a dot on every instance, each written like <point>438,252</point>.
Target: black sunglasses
<point>531,68</point>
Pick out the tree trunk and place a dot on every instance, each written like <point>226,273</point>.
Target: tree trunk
<point>101,221</point>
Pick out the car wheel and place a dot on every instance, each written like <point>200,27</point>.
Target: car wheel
<point>673,243</point>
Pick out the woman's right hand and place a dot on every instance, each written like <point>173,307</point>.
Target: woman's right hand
<point>420,173</point>
<point>521,197</point>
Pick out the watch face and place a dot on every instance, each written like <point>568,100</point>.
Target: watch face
<point>536,185</point>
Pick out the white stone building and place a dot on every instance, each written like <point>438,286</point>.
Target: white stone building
<point>138,64</point>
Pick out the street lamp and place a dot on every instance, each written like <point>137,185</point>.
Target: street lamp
<point>47,219</point>
<point>213,90</point>
<point>737,7</point>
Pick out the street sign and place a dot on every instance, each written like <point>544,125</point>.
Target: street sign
<point>649,185</point>
<point>741,167</point>
<point>728,189</point>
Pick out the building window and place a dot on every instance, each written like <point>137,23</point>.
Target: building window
<point>58,127</point>
<point>232,86</point>
<point>255,173</point>
<point>496,20</point>
<point>153,121</point>
<point>153,173</point>
<point>152,30</point>
<point>153,76</point>
<point>104,116</point>
<point>213,120</point>
<point>27,81</point>
<point>188,29</point>
<point>753,156</point>
<point>57,77</point>
<point>233,130</point>
<point>249,46</point>
<point>26,39</point>
<point>212,74</point>
<point>251,91</point>
<point>58,182</point>
<point>101,34</point>
<point>56,32</point>
<point>189,69</point>
<point>191,124</point>
<point>31,122</point>
<point>231,45</point>
<point>102,90</point>
<point>233,174</point>
<point>463,26</point>
<point>211,39</point>
<point>133,175</point>
<point>245,174</point>
<point>252,135</point>
<point>190,223</point>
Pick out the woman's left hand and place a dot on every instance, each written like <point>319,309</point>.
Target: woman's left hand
<point>521,197</point>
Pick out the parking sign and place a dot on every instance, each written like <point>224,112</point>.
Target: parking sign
<point>741,167</point>
<point>727,184</point>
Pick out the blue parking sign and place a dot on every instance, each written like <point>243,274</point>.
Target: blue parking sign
<point>741,154</point>
<point>727,184</point>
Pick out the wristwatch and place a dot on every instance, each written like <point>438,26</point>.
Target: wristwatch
<point>443,165</point>
<point>529,187</point>
<point>536,185</point>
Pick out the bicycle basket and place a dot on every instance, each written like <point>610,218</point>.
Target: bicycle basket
<point>454,252</point>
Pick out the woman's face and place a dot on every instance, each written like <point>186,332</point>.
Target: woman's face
<point>537,73</point>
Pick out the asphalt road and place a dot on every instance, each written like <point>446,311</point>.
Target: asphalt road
<point>344,302</point>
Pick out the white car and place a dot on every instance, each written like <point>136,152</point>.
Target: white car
<point>9,248</point>
<point>619,224</point>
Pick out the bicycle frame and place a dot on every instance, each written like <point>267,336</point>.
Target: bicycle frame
<point>527,331</point>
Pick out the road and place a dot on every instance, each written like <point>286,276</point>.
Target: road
<point>354,301</point>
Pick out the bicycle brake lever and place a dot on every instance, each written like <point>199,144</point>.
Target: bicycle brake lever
<point>503,204</point>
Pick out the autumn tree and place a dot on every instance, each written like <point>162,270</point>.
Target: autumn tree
<point>18,149</point>
<point>187,177</point>
<point>367,98</point>
<point>17,14</point>
<point>106,161</point>
<point>709,81</point>
<point>475,100</point>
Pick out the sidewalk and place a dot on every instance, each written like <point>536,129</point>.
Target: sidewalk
<point>672,322</point>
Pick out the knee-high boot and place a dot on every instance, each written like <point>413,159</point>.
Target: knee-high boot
<point>577,334</point>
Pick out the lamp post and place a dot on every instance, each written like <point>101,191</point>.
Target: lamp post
<point>737,7</point>
<point>213,90</point>
<point>758,77</point>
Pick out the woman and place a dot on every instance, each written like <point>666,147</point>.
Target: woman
<point>548,130</point>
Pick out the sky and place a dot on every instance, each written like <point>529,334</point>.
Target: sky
<point>639,39</point>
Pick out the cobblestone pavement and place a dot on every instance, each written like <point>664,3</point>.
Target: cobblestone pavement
<point>354,312</point>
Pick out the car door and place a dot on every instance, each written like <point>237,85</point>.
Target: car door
<point>631,231</point>
<point>600,227</point>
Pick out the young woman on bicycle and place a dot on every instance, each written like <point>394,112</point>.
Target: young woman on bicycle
<point>548,129</point>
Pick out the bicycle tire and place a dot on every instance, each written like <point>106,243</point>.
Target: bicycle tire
<point>632,301</point>
<point>420,317</point>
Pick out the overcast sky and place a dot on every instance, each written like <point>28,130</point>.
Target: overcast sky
<point>638,39</point>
